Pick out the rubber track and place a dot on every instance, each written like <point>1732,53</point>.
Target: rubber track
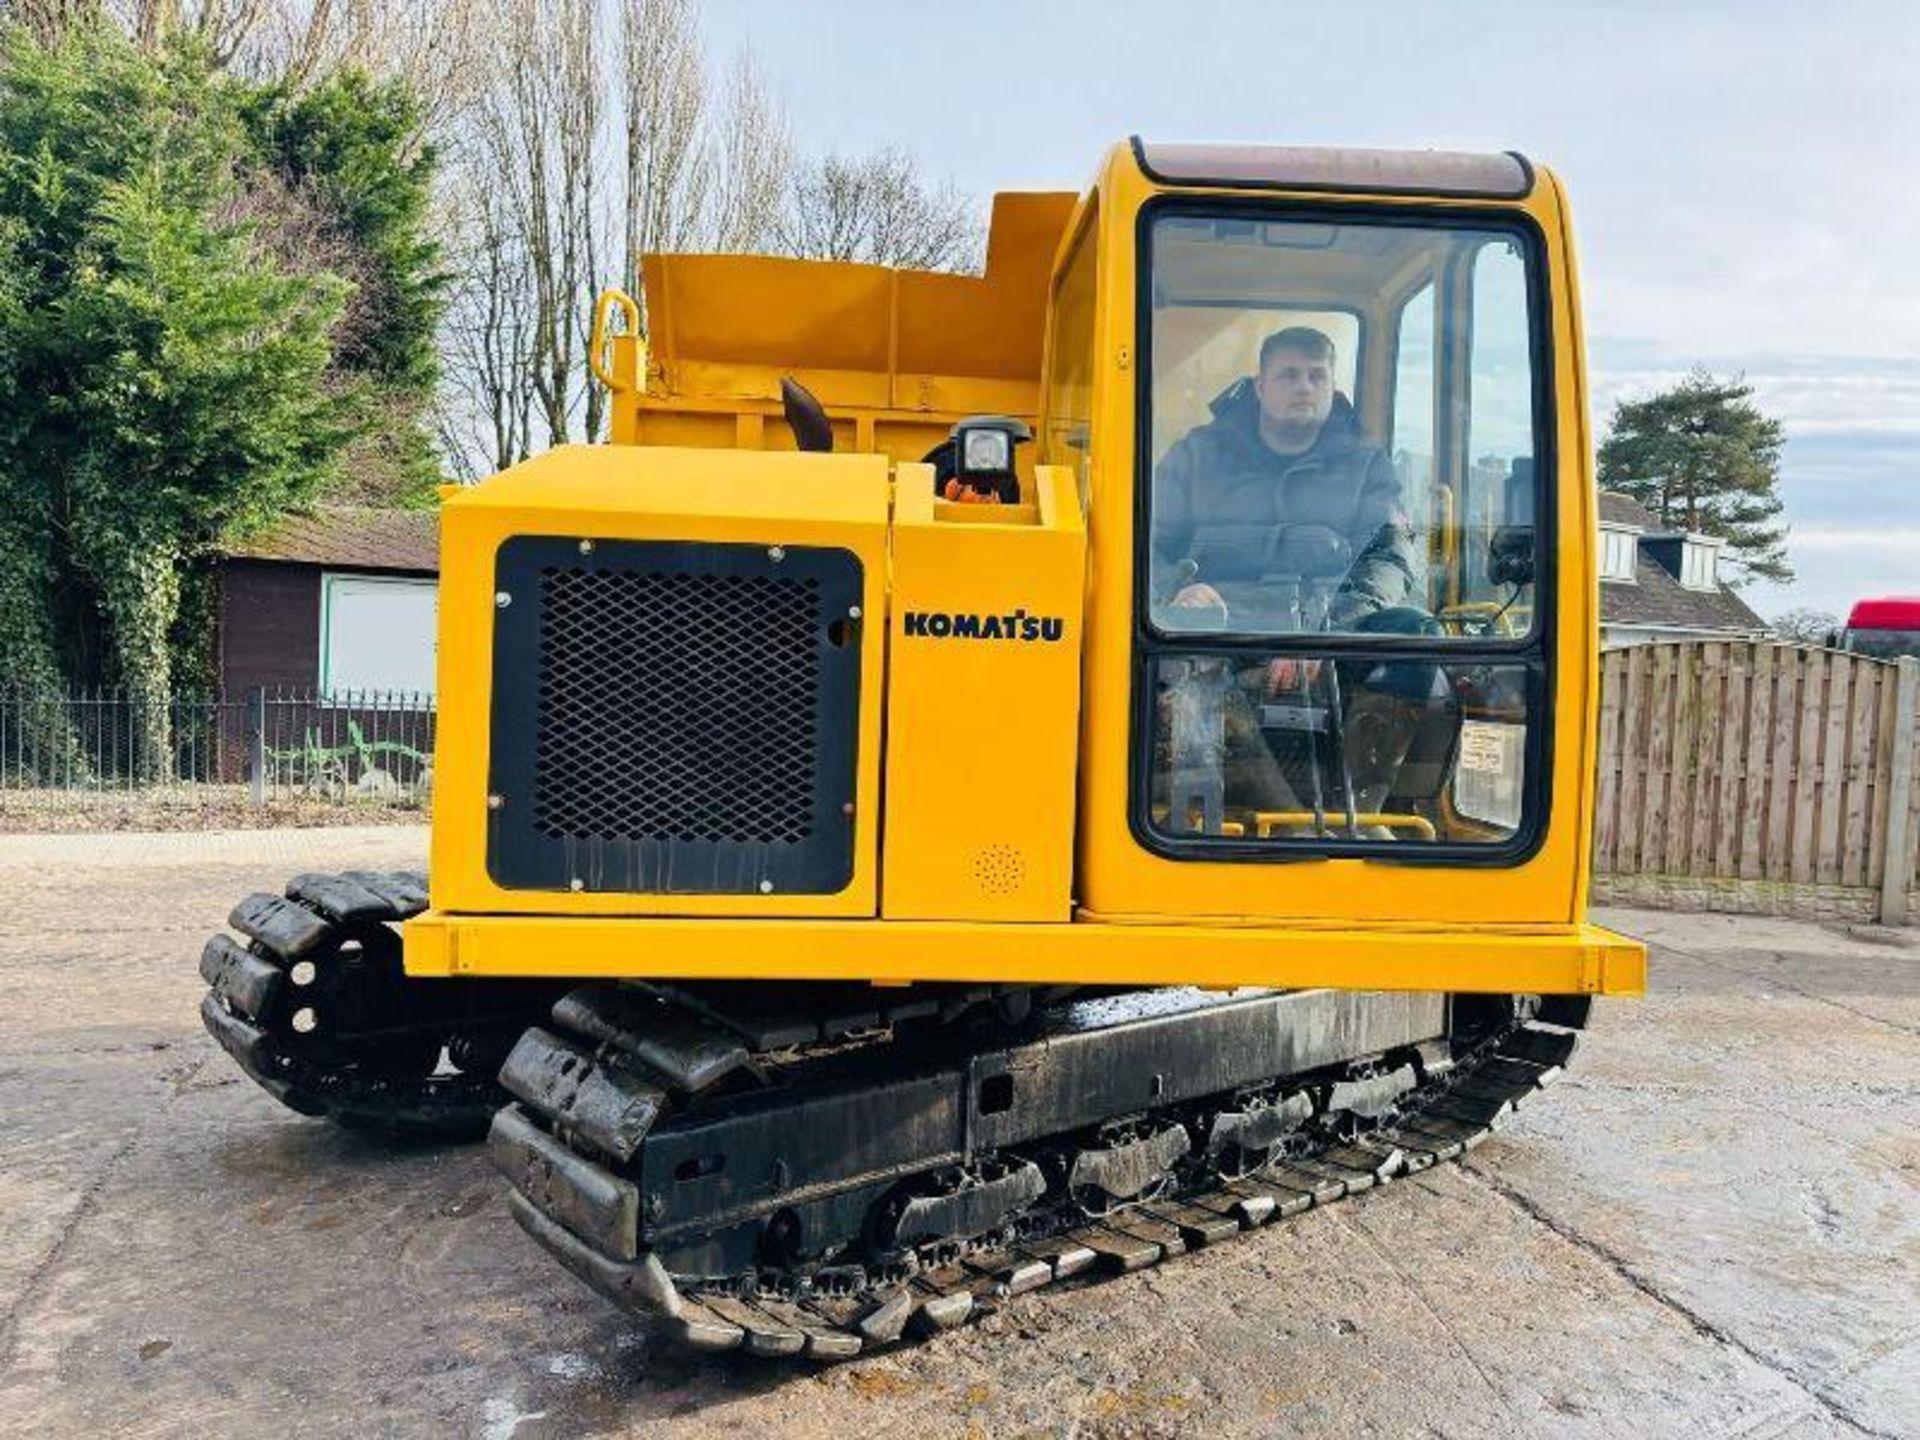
<point>1438,1122</point>
<point>250,1002</point>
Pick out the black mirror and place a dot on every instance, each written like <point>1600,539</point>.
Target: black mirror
<point>1510,551</point>
<point>1510,555</point>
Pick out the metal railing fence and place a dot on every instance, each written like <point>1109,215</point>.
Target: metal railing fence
<point>63,748</point>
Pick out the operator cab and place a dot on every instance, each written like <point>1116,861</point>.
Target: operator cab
<point>1342,420</point>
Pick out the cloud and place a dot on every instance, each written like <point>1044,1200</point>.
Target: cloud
<point>1837,565</point>
<point>1856,394</point>
<point>1872,546</point>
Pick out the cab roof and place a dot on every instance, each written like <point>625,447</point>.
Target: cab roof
<point>1448,173</point>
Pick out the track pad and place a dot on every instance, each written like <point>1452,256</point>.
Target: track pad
<point>970,1208</point>
<point>1123,1171</point>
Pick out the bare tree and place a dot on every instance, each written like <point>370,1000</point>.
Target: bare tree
<point>428,44</point>
<point>47,20</point>
<point>436,47</point>
<point>750,161</point>
<point>521,205</point>
<point>224,27</point>
<point>1805,626</point>
<point>489,347</point>
<point>665,101</point>
<point>569,180</point>
<point>540,130</point>
<point>878,209</point>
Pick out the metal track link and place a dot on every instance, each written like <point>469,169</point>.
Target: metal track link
<point>314,1006</point>
<point>539,1144</point>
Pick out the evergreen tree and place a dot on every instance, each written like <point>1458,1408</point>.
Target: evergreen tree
<point>167,371</point>
<point>28,656</point>
<point>354,181</point>
<point>1702,457</point>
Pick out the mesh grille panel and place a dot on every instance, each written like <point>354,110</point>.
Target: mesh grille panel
<point>677,707</point>
<point>674,717</point>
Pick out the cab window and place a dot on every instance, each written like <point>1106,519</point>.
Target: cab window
<point>1302,484</point>
<point>1344,425</point>
<point>1066,431</point>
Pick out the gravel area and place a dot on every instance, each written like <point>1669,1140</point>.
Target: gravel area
<point>206,808</point>
<point>1711,1226</point>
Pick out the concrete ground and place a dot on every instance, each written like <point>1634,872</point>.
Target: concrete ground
<point>1711,1227</point>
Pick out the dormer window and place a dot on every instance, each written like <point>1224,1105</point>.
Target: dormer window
<point>1619,550</point>
<point>1700,563</point>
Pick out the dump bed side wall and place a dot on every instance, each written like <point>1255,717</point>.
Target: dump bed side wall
<point>895,356</point>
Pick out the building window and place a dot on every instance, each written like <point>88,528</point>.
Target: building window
<point>376,634</point>
<point>1618,551</point>
<point>1699,568</point>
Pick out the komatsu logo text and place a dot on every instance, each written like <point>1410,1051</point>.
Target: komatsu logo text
<point>1017,625</point>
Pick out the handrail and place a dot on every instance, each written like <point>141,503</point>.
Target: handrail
<point>629,308</point>
<point>1267,821</point>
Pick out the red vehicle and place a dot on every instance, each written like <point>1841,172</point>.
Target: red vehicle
<point>1883,628</point>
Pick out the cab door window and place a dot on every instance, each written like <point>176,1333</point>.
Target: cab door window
<point>1339,556</point>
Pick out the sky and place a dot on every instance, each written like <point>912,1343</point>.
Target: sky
<point>1745,177</point>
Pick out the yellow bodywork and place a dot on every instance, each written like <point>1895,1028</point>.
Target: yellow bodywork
<point>895,356</point>
<point>608,492</point>
<point>979,816</point>
<point>990,807</point>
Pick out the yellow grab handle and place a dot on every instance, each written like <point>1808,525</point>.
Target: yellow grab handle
<point>1267,821</point>
<point>629,308</point>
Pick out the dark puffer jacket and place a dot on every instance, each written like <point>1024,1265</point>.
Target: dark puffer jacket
<point>1238,511</point>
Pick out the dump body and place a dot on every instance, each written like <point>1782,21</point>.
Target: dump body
<point>895,356</point>
<point>892,738</point>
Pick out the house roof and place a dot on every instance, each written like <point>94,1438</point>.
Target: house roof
<point>1624,510</point>
<point>350,537</point>
<point>1658,600</point>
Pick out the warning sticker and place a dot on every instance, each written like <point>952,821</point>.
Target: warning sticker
<point>1484,747</point>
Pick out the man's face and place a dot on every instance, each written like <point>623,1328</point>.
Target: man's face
<point>1295,390</point>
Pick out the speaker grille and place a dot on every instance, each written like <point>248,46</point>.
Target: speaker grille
<point>999,869</point>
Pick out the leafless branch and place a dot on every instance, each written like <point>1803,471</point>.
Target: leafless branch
<point>750,160</point>
<point>878,209</point>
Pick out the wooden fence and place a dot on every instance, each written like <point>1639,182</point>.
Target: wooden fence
<point>1757,776</point>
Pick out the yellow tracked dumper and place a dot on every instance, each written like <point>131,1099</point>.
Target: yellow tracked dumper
<point>992,779</point>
